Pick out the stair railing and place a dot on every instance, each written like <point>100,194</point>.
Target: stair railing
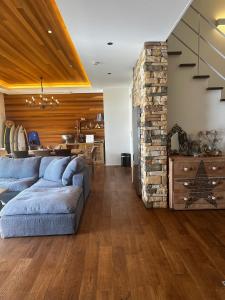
<point>202,59</point>
<point>201,37</point>
<point>204,39</point>
<point>210,23</point>
<point>199,42</point>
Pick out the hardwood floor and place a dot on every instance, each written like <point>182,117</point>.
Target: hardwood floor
<point>122,251</point>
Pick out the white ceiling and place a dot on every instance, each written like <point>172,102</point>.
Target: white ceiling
<point>127,23</point>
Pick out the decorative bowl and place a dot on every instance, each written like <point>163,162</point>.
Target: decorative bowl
<point>67,138</point>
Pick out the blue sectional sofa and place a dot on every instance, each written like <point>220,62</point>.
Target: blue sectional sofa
<point>45,196</point>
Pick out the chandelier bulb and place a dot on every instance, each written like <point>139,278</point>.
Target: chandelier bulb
<point>42,101</point>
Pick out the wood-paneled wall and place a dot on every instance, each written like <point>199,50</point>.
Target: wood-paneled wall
<point>51,124</point>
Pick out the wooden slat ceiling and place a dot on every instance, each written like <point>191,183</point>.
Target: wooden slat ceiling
<point>28,51</point>
<point>51,124</point>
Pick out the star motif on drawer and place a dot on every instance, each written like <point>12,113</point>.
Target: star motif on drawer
<point>200,187</point>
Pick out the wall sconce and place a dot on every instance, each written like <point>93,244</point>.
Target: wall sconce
<point>220,23</point>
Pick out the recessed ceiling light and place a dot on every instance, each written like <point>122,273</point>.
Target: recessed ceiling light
<point>50,31</point>
<point>96,63</point>
<point>110,43</point>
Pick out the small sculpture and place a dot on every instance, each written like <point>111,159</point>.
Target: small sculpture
<point>182,140</point>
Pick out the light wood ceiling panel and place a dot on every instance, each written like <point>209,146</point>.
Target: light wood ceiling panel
<point>28,51</point>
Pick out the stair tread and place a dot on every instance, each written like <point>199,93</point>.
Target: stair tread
<point>201,76</point>
<point>187,65</point>
<point>174,52</point>
<point>212,88</point>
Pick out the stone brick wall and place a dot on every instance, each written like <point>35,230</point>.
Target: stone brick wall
<point>150,93</point>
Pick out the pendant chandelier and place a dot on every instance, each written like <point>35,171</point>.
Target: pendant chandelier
<point>42,101</point>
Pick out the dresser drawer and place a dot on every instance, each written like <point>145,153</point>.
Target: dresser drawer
<point>185,169</point>
<point>184,185</point>
<point>188,169</point>
<point>180,199</point>
<point>215,169</point>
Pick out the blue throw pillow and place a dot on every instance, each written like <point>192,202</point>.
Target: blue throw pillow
<point>55,169</point>
<point>45,161</point>
<point>75,166</point>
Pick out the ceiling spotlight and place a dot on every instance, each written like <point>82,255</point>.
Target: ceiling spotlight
<point>220,23</point>
<point>50,31</point>
<point>110,43</point>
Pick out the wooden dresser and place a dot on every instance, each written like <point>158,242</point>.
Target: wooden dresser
<point>196,182</point>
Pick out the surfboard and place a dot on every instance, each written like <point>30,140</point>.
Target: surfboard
<point>7,139</point>
<point>15,147</point>
<point>8,126</point>
<point>9,123</point>
<point>4,145</point>
<point>26,139</point>
<point>21,139</point>
<point>11,138</point>
<point>3,136</point>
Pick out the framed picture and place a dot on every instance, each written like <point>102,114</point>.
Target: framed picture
<point>90,138</point>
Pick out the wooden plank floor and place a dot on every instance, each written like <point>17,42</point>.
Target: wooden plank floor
<point>122,251</point>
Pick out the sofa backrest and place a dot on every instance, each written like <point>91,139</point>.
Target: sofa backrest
<point>19,167</point>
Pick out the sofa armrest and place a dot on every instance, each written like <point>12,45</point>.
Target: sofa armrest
<point>82,180</point>
<point>78,180</point>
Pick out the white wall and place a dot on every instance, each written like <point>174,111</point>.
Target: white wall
<point>190,105</point>
<point>117,111</point>
<point>2,116</point>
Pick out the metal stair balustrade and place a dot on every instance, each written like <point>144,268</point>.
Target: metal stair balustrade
<point>202,59</point>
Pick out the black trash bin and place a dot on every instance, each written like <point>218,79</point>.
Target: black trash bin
<point>125,160</point>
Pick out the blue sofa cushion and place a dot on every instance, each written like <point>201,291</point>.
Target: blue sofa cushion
<point>43,184</point>
<point>43,201</point>
<point>45,161</point>
<point>15,184</point>
<point>75,166</point>
<point>19,167</point>
<point>55,169</point>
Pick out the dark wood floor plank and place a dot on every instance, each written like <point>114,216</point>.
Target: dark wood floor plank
<point>122,251</point>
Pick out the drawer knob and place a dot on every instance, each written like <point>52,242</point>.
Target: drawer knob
<point>185,199</point>
<point>214,168</point>
<point>185,169</point>
<point>214,183</point>
<point>186,183</point>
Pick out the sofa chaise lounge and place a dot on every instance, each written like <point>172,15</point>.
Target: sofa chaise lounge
<point>45,196</point>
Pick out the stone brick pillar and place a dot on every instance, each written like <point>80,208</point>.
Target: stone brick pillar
<point>150,93</point>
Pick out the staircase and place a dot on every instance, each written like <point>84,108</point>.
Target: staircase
<point>196,75</point>
<point>188,45</point>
